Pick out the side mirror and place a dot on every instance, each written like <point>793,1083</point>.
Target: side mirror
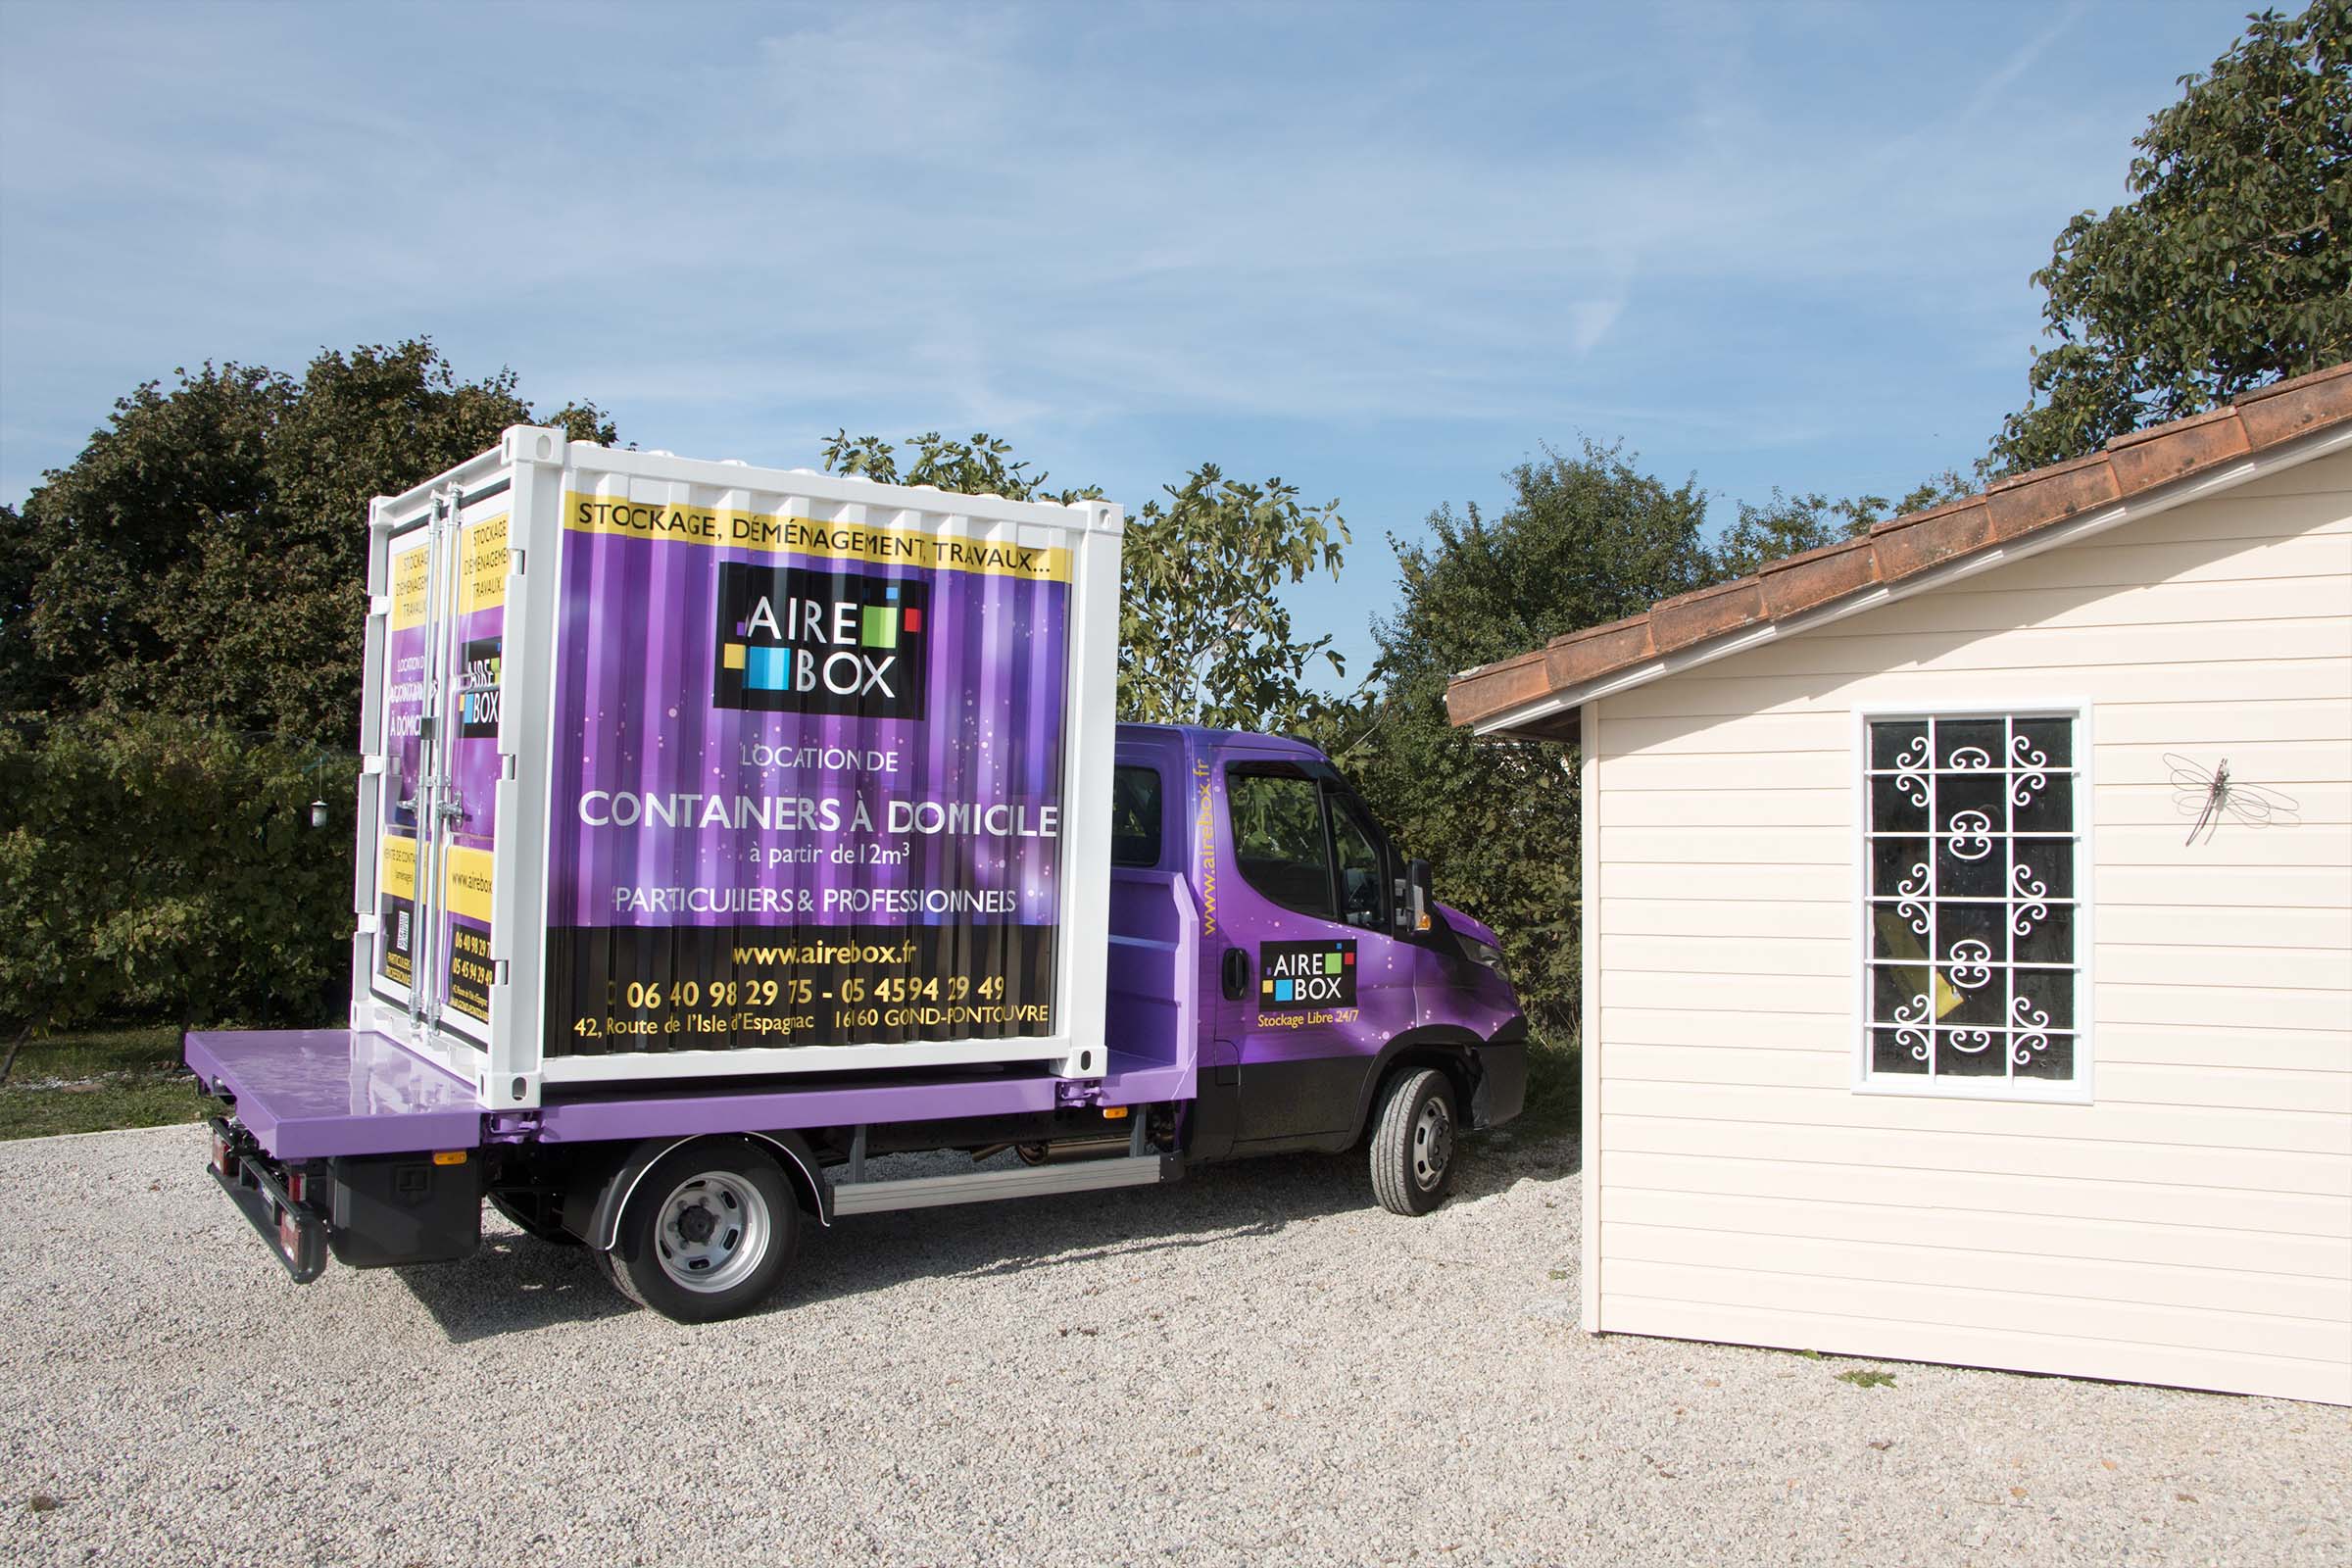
<point>1414,896</point>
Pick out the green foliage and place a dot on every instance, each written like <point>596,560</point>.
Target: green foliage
<point>1204,640</point>
<point>1864,1378</point>
<point>206,554</point>
<point>2232,265</point>
<point>1790,526</point>
<point>154,866</point>
<point>974,468</point>
<point>1586,539</point>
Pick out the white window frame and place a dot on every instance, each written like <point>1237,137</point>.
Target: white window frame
<point>2076,1091</point>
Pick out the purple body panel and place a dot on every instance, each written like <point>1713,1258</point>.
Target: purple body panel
<point>306,1094</point>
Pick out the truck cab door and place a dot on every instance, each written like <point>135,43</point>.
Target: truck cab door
<point>1312,980</point>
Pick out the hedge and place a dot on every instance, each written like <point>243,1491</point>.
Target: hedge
<point>154,868</point>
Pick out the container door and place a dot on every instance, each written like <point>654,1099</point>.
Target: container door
<point>465,743</point>
<point>441,719</point>
<point>1307,942</point>
<point>407,657</point>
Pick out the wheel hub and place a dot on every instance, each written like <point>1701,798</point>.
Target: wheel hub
<point>714,1229</point>
<point>1433,1143</point>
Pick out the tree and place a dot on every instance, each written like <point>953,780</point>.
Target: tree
<point>1203,639</point>
<point>206,554</point>
<point>1586,539</point>
<point>1790,526</point>
<point>2230,267</point>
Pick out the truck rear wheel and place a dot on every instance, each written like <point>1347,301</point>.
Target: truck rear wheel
<point>707,1232</point>
<point>1413,1147</point>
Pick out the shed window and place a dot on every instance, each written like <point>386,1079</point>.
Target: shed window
<point>1974,902</point>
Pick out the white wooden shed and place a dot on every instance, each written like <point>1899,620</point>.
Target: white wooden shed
<point>1938,1006</point>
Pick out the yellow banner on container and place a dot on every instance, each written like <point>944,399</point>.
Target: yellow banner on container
<point>805,536</point>
<point>409,570</point>
<point>397,876</point>
<point>467,883</point>
<point>482,575</point>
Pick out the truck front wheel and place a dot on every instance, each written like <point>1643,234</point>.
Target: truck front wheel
<point>706,1233</point>
<point>1412,1146</point>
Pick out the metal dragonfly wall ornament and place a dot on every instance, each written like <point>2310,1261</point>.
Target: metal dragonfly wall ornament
<point>2209,795</point>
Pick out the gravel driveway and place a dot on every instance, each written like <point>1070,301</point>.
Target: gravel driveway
<point>1253,1365</point>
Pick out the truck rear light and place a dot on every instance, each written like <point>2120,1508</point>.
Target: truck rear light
<point>224,1159</point>
<point>298,1186</point>
<point>290,1233</point>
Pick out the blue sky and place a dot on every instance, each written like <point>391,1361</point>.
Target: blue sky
<point>1384,252</point>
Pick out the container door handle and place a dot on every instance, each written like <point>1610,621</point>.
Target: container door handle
<point>1237,974</point>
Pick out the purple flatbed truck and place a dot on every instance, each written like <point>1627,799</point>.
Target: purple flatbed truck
<point>723,831</point>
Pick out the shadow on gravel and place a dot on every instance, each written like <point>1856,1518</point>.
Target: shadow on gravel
<point>516,1282</point>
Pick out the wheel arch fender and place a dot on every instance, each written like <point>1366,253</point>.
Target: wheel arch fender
<point>1445,1047</point>
<point>599,1206</point>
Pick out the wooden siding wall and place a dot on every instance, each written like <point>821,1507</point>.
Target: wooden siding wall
<point>2194,1224</point>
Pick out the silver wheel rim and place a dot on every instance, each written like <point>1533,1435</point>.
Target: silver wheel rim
<point>714,1231</point>
<point>1433,1143</point>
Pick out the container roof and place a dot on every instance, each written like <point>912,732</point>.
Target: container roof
<point>1535,696</point>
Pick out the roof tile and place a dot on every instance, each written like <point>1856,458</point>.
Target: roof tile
<point>1818,576</point>
<point>1709,613</point>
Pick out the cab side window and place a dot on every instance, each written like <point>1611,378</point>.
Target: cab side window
<point>1134,816</point>
<point>1278,838</point>
<point>1362,876</point>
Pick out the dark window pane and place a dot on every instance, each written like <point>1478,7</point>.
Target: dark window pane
<point>1972,866</point>
<point>2041,803</point>
<point>1971,933</point>
<point>1972,997</point>
<point>1898,1050</point>
<point>2053,1057</point>
<point>1899,868</point>
<point>1278,839</point>
<point>2042,743</point>
<point>2044,999</point>
<point>1899,994</point>
<point>1134,816</point>
<point>1364,879</point>
<point>1970,744</point>
<point>1899,805</point>
<point>1970,1053</point>
<point>1900,931</point>
<point>1968,803</point>
<point>2046,869</point>
<point>2043,933</point>
<point>1898,742</point>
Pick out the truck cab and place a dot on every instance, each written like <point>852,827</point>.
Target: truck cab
<point>1326,971</point>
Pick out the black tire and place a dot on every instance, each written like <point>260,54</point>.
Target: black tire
<point>1413,1141</point>
<point>707,1232</point>
<point>520,1213</point>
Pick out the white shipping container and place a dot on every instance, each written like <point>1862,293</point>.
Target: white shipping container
<point>677,769</point>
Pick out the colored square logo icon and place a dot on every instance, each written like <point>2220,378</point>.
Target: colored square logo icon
<point>733,658</point>
<point>881,627</point>
<point>1282,990</point>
